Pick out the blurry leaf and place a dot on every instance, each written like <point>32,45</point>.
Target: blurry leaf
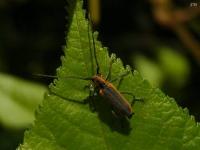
<point>18,101</point>
<point>61,123</point>
<point>175,66</point>
<point>149,70</point>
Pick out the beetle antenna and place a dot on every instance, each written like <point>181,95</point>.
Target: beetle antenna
<point>91,53</point>
<point>72,77</point>
<point>94,47</point>
<point>44,75</point>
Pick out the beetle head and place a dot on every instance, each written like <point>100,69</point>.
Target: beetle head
<point>98,81</point>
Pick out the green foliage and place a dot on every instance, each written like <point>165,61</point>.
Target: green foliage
<point>62,123</point>
<point>174,65</point>
<point>171,67</point>
<point>149,70</point>
<point>18,99</point>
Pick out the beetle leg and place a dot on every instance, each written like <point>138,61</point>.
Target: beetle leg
<point>133,99</point>
<point>119,83</point>
<point>92,94</point>
<point>65,98</point>
<point>127,93</point>
<point>120,78</point>
<point>87,87</point>
<point>110,69</point>
<point>90,97</point>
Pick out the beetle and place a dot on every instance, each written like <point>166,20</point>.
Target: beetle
<point>119,104</point>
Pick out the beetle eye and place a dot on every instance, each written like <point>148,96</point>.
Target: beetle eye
<point>101,85</point>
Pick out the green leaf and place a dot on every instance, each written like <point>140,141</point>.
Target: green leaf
<point>62,123</point>
<point>18,99</point>
<point>174,65</point>
<point>149,70</point>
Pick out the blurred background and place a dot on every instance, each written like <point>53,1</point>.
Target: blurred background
<point>159,38</point>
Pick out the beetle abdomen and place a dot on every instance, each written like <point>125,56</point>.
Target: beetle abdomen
<point>117,101</point>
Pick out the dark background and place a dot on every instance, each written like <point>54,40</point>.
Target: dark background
<point>32,33</point>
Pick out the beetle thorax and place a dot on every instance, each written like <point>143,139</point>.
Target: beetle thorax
<point>99,81</point>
